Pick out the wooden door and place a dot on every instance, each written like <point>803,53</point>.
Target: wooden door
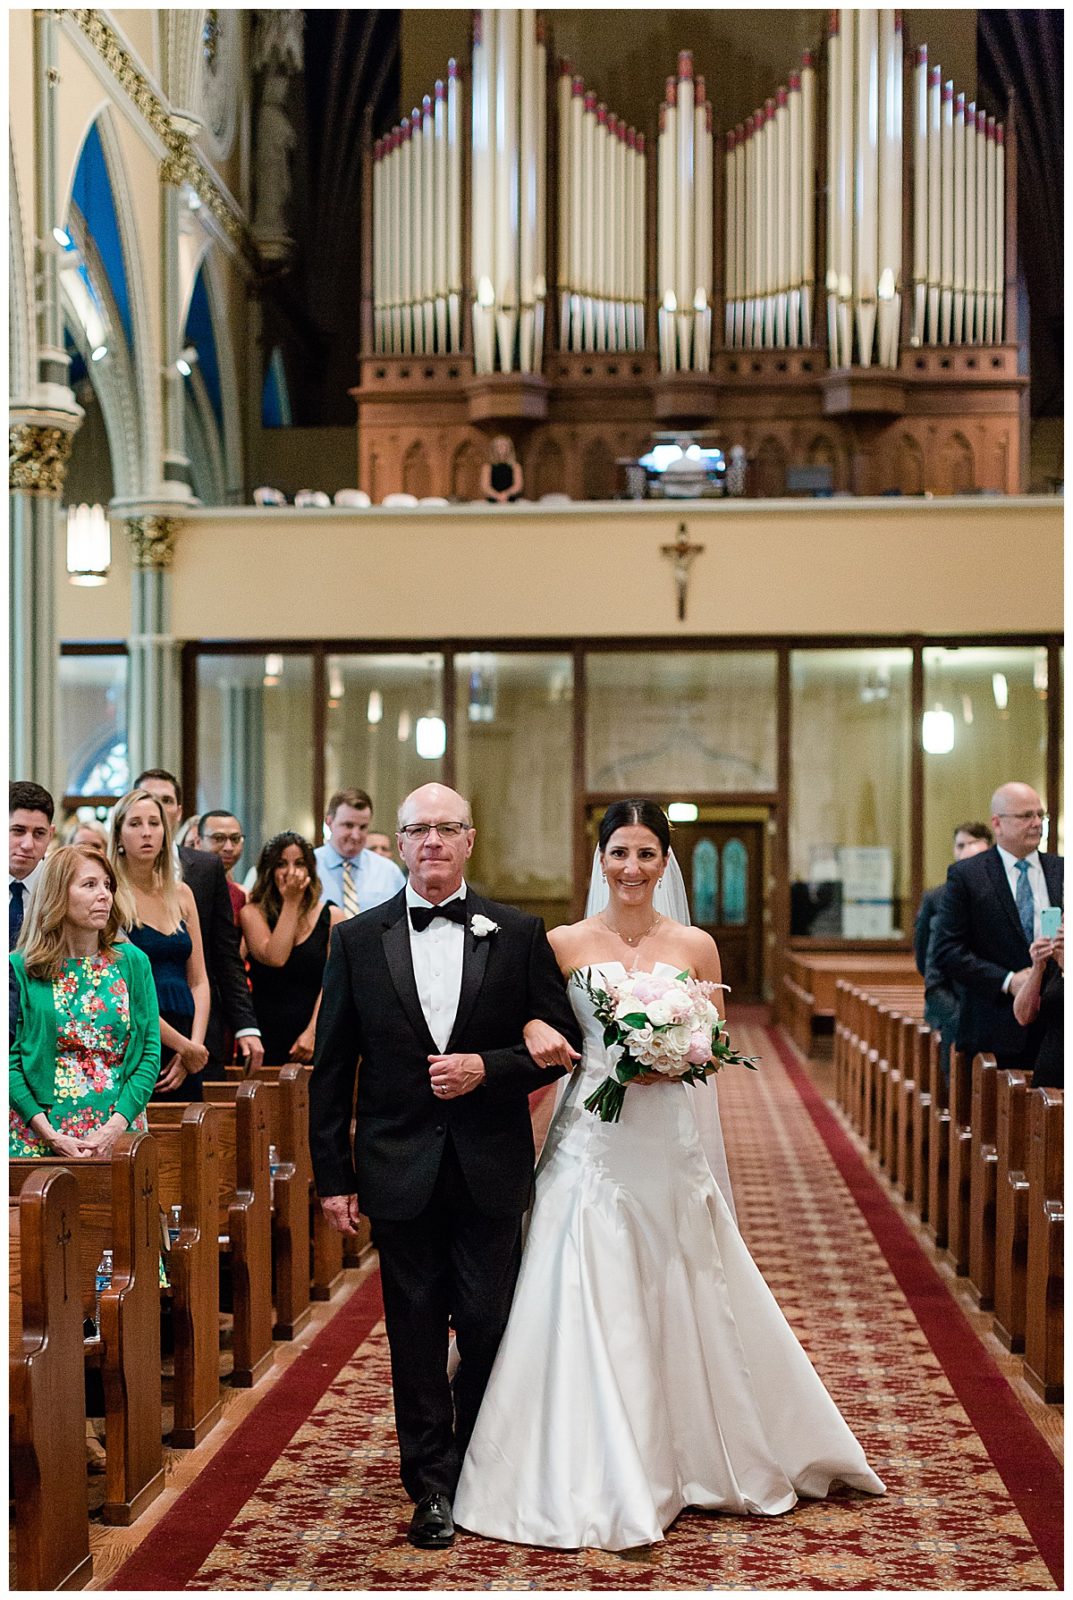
<point>723,866</point>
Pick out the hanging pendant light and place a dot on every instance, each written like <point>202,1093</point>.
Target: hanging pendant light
<point>89,546</point>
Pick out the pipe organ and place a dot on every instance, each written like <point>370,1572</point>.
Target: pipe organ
<point>601,220</point>
<point>509,191</point>
<point>802,283</point>
<point>416,206</point>
<point>685,162</point>
<point>959,215</point>
<point>769,238</point>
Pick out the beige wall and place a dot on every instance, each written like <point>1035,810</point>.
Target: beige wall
<point>855,567</point>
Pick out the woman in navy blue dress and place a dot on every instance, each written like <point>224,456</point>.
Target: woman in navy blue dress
<point>160,917</point>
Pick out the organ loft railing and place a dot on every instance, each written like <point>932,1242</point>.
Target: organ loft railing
<point>828,283</point>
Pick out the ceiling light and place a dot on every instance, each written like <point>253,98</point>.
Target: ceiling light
<point>682,811</point>
<point>89,546</point>
<point>99,353</point>
<point>938,732</point>
<point>375,713</point>
<point>1001,690</point>
<point>431,738</point>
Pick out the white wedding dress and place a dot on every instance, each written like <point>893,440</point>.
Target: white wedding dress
<point>646,1366</point>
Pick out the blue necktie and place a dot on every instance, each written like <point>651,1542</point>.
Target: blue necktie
<point>1026,906</point>
<point>15,911</point>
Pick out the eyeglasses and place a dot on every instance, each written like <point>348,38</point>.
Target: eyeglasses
<point>446,830</point>
<point>1023,816</point>
<point>226,838</point>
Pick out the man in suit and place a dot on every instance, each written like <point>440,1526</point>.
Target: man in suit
<point>989,917</point>
<point>940,998</point>
<point>30,832</point>
<point>232,1007</point>
<point>432,990</point>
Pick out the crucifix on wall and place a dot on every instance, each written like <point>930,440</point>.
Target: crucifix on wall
<point>682,555</point>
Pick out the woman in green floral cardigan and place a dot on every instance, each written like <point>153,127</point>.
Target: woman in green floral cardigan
<point>86,1050</point>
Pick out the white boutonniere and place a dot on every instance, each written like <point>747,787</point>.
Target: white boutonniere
<point>481,926</point>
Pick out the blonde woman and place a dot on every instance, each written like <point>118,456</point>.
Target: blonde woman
<point>501,475</point>
<point>161,918</point>
<point>86,1050</point>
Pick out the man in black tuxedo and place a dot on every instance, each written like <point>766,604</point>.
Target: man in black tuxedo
<point>988,918</point>
<point>432,990</point>
<point>204,872</point>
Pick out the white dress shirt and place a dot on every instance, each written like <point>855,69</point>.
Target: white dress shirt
<point>1036,882</point>
<point>437,956</point>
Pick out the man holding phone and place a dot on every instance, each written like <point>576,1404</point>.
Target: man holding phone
<point>992,913</point>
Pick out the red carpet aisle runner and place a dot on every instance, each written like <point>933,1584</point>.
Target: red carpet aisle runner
<point>306,1496</point>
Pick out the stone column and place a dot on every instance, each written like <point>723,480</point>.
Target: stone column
<point>154,685</point>
<point>175,170</point>
<point>39,447</point>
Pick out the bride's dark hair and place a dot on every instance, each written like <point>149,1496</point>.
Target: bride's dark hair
<point>635,814</point>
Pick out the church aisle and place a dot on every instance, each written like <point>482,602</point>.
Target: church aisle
<point>305,1495</point>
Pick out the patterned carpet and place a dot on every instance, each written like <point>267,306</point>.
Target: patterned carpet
<point>306,1495</point>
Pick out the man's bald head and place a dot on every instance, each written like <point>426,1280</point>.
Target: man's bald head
<point>436,795</point>
<point>1017,817</point>
<point>437,851</point>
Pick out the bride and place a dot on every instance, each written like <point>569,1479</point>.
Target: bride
<point>646,1366</point>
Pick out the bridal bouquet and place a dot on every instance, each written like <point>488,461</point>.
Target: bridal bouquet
<point>665,1025</point>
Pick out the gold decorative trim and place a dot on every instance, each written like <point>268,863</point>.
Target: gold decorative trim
<point>182,164</point>
<point>38,457</point>
<point>152,542</point>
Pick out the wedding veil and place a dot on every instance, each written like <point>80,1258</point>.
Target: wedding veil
<point>671,901</point>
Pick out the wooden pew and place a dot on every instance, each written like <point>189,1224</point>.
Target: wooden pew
<point>46,1386</point>
<point>188,1161</point>
<point>330,1247</point>
<point>939,1156</point>
<point>809,985</point>
<point>1011,1209</point>
<point>118,1209</point>
<point>244,1222</point>
<point>922,1120</point>
<point>286,1099</point>
<point>1046,1226</point>
<point>959,1151</point>
<point>983,1180</point>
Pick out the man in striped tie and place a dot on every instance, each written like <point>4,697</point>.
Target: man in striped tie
<point>352,876</point>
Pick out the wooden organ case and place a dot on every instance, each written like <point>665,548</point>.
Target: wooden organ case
<point>831,284</point>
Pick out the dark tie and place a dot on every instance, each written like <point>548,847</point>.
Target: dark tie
<point>454,911</point>
<point>1026,906</point>
<point>15,911</point>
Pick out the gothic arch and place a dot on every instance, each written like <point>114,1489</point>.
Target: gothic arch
<point>227,429</point>
<point>909,466</point>
<point>598,471</point>
<point>957,466</point>
<point>132,406</point>
<point>466,464</point>
<point>546,473</point>
<point>416,473</point>
<point>770,469</point>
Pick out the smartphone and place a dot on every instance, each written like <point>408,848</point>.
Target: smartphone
<point>1050,922</point>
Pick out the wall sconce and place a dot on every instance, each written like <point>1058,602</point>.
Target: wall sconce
<point>938,732</point>
<point>89,546</point>
<point>431,737</point>
<point>273,671</point>
<point>682,811</point>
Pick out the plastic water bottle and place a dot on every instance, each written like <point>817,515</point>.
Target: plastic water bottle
<point>175,1223</point>
<point>273,1168</point>
<point>103,1281</point>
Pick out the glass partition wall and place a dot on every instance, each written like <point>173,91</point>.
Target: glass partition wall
<point>861,755</point>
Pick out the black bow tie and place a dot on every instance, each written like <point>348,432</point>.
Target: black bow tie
<point>453,910</point>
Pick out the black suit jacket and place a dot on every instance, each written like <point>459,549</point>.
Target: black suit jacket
<point>929,905</point>
<point>370,1008</point>
<point>204,872</point>
<point>978,939</point>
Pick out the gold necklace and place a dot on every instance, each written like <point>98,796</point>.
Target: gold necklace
<point>625,936</point>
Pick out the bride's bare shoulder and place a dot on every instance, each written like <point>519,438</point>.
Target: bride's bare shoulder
<point>700,948</point>
<point>572,942</point>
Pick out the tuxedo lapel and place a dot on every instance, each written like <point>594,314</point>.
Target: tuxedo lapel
<point>401,967</point>
<point>474,962</point>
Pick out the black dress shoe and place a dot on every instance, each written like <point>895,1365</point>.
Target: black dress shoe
<point>432,1526</point>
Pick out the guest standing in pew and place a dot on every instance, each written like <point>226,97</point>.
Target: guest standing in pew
<point>160,917</point>
<point>221,834</point>
<point>940,997</point>
<point>86,1051</point>
<point>989,917</point>
<point>231,1009</point>
<point>30,832</point>
<point>287,925</point>
<point>1041,1000</point>
<point>352,876</point>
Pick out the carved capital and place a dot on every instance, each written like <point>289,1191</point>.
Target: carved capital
<point>152,542</point>
<point>37,457</point>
